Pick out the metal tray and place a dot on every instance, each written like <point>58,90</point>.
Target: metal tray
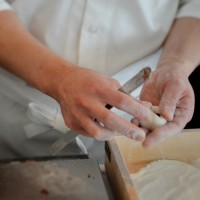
<point>52,178</point>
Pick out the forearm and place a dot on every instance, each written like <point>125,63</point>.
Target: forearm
<point>23,55</point>
<point>182,45</point>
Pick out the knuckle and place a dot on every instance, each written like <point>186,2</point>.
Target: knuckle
<point>128,132</point>
<point>70,124</point>
<point>79,100</point>
<point>179,82</point>
<point>168,104</point>
<point>90,127</point>
<point>93,131</point>
<point>72,115</point>
<point>115,84</point>
<point>121,101</point>
<point>106,117</point>
<point>140,114</point>
<point>94,88</point>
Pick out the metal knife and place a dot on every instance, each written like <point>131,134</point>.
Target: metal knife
<point>127,88</point>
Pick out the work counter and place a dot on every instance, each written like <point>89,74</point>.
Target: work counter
<point>52,178</point>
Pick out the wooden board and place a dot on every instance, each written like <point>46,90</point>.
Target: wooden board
<point>125,156</point>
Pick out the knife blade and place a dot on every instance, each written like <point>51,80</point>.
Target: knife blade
<point>127,88</point>
<point>62,142</point>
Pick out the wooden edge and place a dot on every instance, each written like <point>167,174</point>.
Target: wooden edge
<point>118,164</point>
<point>118,174</point>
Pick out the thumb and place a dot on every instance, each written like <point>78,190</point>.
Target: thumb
<point>168,102</point>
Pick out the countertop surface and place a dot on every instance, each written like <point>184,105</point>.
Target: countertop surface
<point>61,178</point>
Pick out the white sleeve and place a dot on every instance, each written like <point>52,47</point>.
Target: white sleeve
<point>189,8</point>
<point>4,5</point>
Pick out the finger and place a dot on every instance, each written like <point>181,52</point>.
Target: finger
<point>171,96</point>
<point>90,128</point>
<point>170,129</point>
<point>116,123</point>
<point>84,119</point>
<point>131,106</point>
<point>137,123</point>
<point>148,119</point>
<point>160,134</point>
<point>81,122</point>
<point>146,104</point>
<point>95,130</point>
<point>106,134</point>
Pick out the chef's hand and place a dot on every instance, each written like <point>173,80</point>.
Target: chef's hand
<point>169,88</point>
<point>83,94</point>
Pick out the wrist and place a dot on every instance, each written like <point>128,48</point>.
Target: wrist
<point>174,62</point>
<point>52,73</point>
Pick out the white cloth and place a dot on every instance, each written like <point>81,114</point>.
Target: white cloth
<point>106,36</point>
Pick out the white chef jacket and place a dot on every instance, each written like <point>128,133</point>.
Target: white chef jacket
<point>104,35</point>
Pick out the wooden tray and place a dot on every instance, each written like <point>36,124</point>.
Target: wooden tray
<point>125,156</point>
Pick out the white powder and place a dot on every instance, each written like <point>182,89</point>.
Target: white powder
<point>168,180</point>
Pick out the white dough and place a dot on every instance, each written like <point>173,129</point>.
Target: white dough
<point>155,120</point>
<point>196,163</point>
<point>168,180</point>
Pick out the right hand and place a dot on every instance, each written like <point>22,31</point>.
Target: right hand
<point>83,94</point>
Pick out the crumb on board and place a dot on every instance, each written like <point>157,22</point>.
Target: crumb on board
<point>90,176</point>
<point>44,191</point>
<point>30,161</point>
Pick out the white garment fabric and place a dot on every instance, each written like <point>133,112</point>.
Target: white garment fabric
<point>103,35</point>
<point>106,36</point>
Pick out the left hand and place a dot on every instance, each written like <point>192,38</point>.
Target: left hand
<point>169,88</point>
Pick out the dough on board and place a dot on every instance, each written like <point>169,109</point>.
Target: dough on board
<point>168,180</point>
